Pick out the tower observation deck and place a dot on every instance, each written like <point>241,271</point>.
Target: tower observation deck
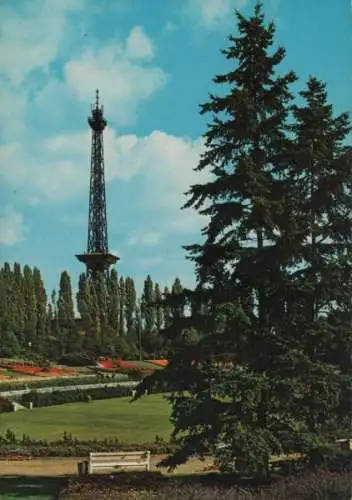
<point>97,258</point>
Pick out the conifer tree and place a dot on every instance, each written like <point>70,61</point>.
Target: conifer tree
<point>239,263</point>
<point>320,284</point>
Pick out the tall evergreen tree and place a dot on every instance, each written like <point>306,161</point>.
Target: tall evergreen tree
<point>321,175</point>
<point>247,156</point>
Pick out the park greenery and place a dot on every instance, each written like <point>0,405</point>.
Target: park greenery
<point>260,350</point>
<point>113,320</point>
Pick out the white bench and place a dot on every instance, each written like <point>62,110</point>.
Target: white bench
<point>345,444</point>
<point>103,462</point>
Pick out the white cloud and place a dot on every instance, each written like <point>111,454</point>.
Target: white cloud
<point>210,12</point>
<point>12,227</point>
<point>139,45</point>
<point>122,80</point>
<point>31,39</point>
<point>57,171</point>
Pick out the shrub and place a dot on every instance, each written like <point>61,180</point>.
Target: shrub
<point>76,359</point>
<point>69,446</point>
<point>96,378</point>
<point>72,396</point>
<point>5,405</point>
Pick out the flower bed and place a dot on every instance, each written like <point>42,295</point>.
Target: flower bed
<point>33,370</point>
<point>158,362</point>
<point>109,364</point>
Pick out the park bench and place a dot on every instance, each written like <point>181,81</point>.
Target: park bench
<point>112,461</point>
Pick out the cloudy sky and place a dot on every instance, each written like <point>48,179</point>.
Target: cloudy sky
<point>153,62</point>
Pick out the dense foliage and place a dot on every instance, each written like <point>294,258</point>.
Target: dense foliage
<point>274,272</point>
<point>112,320</point>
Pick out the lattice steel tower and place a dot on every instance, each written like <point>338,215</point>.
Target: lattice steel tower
<point>97,258</point>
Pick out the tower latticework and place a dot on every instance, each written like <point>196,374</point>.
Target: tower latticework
<point>97,258</point>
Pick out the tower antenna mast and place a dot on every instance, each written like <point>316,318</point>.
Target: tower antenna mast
<point>97,258</point>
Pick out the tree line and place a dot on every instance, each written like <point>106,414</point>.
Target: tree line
<point>274,270</point>
<point>114,320</point>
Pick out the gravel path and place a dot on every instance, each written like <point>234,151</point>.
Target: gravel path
<point>68,466</point>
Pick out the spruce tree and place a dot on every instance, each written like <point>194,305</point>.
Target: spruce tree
<point>319,287</point>
<point>239,267</point>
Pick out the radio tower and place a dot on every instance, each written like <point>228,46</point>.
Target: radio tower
<point>97,258</point>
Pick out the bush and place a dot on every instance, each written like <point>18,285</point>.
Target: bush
<point>40,399</point>
<point>5,405</point>
<point>76,359</point>
<point>70,446</point>
<point>96,378</point>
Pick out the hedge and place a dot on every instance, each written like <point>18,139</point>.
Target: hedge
<point>62,382</point>
<point>69,446</point>
<point>77,395</point>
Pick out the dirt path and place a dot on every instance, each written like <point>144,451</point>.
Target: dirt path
<point>68,466</point>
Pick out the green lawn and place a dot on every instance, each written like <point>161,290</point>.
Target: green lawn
<point>137,422</point>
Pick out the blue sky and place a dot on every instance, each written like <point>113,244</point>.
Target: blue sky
<point>153,62</point>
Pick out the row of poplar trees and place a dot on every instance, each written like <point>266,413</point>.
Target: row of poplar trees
<point>114,319</point>
<point>274,271</point>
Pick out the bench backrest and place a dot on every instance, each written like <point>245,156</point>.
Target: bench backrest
<point>105,460</point>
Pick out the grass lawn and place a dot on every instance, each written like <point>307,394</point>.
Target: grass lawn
<point>137,422</point>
